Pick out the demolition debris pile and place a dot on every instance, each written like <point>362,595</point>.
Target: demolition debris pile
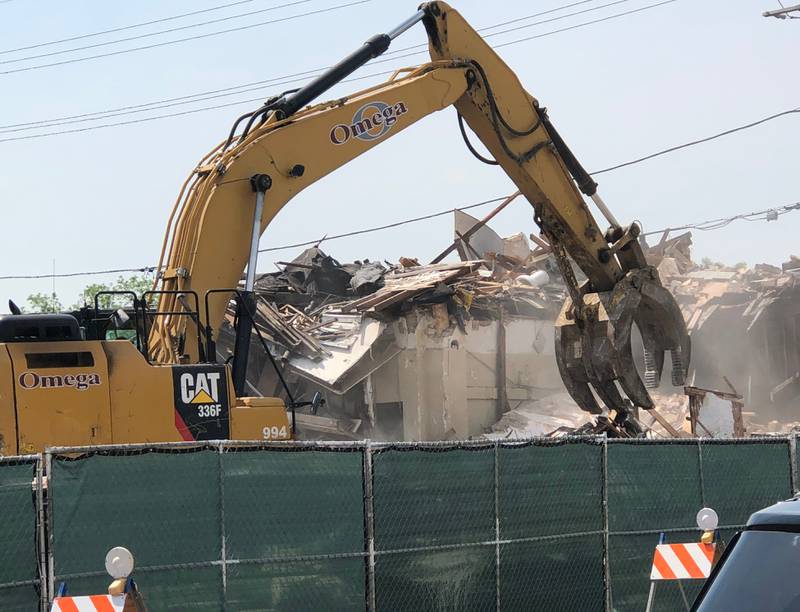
<point>404,350</point>
<point>334,326</point>
<point>745,329</point>
<point>316,302</point>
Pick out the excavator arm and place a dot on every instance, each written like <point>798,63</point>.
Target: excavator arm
<point>282,147</point>
<point>212,226</point>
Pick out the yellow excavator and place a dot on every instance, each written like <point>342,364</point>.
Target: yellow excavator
<point>57,388</point>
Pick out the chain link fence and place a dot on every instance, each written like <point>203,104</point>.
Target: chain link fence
<point>487,527</point>
<point>658,486</point>
<point>221,526</point>
<point>21,552</point>
<point>567,524</point>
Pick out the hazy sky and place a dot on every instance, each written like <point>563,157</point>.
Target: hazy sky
<point>617,90</point>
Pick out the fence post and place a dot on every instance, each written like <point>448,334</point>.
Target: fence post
<point>497,521</point>
<point>793,460</point>
<point>49,527</point>
<point>606,538</point>
<point>222,545</point>
<point>700,470</point>
<point>369,527</point>
<point>44,593</point>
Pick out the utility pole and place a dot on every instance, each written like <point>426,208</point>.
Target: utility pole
<point>784,13</point>
<point>53,303</point>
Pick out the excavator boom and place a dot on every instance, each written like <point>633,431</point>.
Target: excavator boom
<point>275,151</point>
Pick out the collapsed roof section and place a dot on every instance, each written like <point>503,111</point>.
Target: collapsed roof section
<point>335,325</point>
<point>744,322</point>
<point>328,320</point>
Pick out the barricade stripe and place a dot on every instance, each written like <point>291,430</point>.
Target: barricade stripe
<point>674,562</point>
<point>663,568</point>
<point>703,555</point>
<point>64,604</point>
<point>102,603</point>
<point>85,604</point>
<point>655,574</point>
<point>686,560</point>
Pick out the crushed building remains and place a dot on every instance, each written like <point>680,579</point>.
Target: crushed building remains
<point>745,327</point>
<point>411,351</point>
<point>405,351</point>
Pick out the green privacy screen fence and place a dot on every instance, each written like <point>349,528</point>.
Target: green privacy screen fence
<point>21,539</point>
<point>218,527</point>
<point>659,487</point>
<point>535,525</point>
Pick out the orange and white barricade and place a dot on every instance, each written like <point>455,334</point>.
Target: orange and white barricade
<point>677,562</point>
<point>89,603</point>
<point>690,561</point>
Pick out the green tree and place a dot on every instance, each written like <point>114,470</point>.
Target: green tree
<point>138,284</point>
<point>44,302</point>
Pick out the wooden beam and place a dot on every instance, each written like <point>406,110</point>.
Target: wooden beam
<point>476,227</point>
<point>666,424</point>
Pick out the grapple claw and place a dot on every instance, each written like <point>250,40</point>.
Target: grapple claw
<point>570,365</point>
<point>593,343</point>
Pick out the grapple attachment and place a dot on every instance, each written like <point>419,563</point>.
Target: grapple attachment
<point>593,342</point>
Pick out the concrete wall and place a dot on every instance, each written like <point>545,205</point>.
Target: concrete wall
<point>447,379</point>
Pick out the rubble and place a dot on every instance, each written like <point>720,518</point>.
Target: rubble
<point>721,413</point>
<point>404,350</point>
<point>549,416</point>
<point>743,323</point>
<point>429,344</point>
<point>300,307</point>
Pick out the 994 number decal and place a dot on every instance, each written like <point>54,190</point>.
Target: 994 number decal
<point>275,433</point>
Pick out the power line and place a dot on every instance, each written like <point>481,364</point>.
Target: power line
<point>149,269</point>
<point>587,23</point>
<point>169,115</point>
<point>151,34</point>
<point>201,109</point>
<point>559,17</point>
<point>369,230</point>
<point>696,142</point>
<point>154,104</point>
<point>712,224</point>
<point>188,38</point>
<point>708,225</point>
<point>547,12</point>
<point>257,85</point>
<point>123,28</point>
<point>768,214</point>
<point>145,270</point>
<point>518,19</point>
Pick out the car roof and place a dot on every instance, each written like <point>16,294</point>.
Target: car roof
<point>783,513</point>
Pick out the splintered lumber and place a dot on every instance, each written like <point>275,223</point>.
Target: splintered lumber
<point>273,322</point>
<point>540,242</point>
<point>657,416</point>
<point>404,285</point>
